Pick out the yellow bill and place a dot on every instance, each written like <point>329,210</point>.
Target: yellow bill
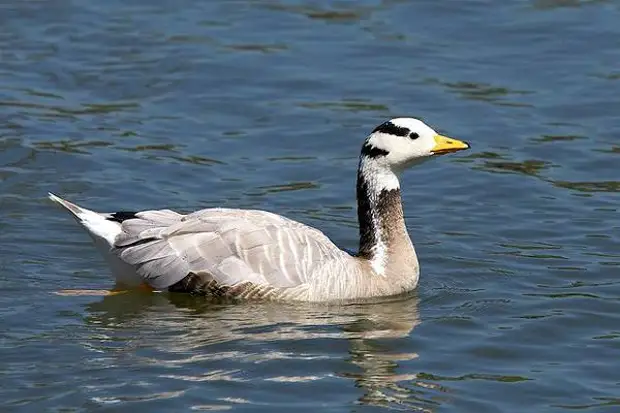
<point>444,145</point>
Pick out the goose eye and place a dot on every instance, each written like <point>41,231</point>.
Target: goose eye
<point>414,135</point>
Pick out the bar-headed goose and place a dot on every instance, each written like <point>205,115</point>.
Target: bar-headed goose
<point>257,254</point>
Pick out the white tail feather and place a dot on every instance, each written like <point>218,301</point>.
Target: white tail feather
<point>103,232</point>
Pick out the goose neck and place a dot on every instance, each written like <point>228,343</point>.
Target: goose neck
<point>383,233</point>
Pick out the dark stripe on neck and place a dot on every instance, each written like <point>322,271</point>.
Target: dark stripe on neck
<point>121,216</point>
<point>389,128</point>
<point>372,151</point>
<point>364,217</point>
<point>381,206</point>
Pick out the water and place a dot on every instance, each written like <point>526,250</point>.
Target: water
<point>264,104</point>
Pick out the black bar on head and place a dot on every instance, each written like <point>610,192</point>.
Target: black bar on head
<point>391,129</point>
<point>372,151</point>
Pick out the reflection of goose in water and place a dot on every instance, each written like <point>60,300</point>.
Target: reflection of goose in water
<point>224,321</point>
<point>257,254</point>
<point>274,346</point>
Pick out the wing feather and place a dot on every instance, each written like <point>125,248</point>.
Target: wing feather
<point>232,246</point>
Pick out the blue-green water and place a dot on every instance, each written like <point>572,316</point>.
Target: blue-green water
<point>264,104</point>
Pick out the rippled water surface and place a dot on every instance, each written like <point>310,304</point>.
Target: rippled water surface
<point>264,104</point>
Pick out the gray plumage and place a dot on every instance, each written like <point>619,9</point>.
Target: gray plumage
<point>230,246</point>
<point>257,254</point>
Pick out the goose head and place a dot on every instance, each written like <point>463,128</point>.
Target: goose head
<point>403,142</point>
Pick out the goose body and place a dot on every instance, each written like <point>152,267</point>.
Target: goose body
<point>257,254</point>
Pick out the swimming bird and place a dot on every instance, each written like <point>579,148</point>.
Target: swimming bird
<point>248,254</point>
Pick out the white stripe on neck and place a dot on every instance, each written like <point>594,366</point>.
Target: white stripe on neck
<point>379,177</point>
<point>378,262</point>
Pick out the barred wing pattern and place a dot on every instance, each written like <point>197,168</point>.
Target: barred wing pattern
<point>232,246</point>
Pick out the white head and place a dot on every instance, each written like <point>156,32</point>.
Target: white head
<point>402,142</point>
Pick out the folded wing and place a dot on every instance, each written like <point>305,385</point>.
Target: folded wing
<point>231,246</point>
